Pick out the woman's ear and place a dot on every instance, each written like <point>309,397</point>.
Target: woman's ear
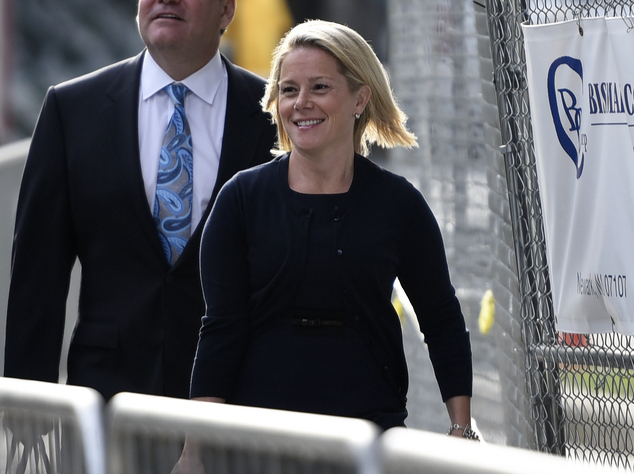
<point>363,96</point>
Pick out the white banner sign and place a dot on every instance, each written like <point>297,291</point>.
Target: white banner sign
<point>581,88</point>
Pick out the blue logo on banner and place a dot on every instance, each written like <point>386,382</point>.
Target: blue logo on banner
<point>564,99</point>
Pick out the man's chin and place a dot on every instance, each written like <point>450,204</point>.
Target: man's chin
<point>168,34</point>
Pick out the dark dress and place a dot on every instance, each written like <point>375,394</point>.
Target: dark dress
<point>315,349</point>
<point>298,291</point>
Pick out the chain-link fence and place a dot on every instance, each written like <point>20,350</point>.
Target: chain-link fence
<point>459,70</point>
<point>436,63</point>
<point>581,386</point>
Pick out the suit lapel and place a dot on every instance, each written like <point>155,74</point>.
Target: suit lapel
<point>122,116</point>
<point>242,120</point>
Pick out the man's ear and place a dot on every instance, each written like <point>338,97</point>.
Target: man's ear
<point>228,12</point>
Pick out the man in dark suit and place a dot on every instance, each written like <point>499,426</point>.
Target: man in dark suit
<point>88,192</point>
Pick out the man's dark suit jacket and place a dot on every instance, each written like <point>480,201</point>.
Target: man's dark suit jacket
<point>83,196</point>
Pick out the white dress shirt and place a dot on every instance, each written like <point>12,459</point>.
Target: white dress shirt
<point>205,108</point>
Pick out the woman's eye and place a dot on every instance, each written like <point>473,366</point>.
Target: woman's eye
<point>287,89</point>
<point>321,87</point>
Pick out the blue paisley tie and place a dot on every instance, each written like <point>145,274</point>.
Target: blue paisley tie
<point>173,203</point>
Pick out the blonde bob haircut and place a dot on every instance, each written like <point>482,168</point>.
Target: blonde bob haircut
<point>382,122</point>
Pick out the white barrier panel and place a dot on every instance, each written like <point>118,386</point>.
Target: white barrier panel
<point>50,428</point>
<point>406,451</point>
<point>146,435</point>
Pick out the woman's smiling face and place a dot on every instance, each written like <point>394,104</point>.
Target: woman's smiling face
<point>315,103</point>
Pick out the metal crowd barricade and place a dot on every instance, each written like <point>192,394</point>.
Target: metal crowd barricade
<point>50,428</point>
<point>408,451</point>
<point>146,435</point>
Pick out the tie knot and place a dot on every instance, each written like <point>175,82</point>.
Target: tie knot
<point>177,92</point>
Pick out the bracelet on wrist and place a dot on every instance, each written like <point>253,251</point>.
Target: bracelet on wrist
<point>467,432</point>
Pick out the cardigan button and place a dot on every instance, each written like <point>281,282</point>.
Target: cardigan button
<point>340,252</point>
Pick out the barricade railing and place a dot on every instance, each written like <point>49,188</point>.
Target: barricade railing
<point>50,428</point>
<point>406,451</point>
<point>146,435</point>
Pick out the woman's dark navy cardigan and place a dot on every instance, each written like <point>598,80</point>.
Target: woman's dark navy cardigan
<point>254,246</point>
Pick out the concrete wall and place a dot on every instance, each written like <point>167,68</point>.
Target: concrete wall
<point>11,164</point>
<point>12,158</point>
<point>4,51</point>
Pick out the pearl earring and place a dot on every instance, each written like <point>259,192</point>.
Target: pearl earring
<point>357,116</point>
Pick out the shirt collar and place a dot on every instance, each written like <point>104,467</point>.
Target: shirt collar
<point>205,82</point>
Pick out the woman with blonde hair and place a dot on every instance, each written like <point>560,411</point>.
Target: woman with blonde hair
<point>299,255</point>
<point>382,122</point>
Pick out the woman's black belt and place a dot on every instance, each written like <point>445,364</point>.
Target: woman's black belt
<point>317,318</point>
<point>317,322</point>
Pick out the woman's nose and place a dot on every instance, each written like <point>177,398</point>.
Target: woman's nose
<point>303,100</point>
